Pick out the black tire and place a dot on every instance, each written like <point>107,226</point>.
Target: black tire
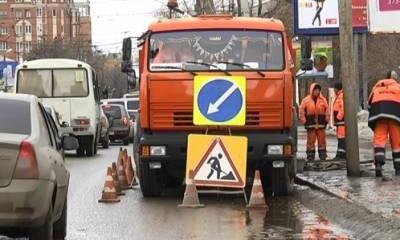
<point>281,181</point>
<point>60,227</point>
<point>81,150</point>
<point>44,232</point>
<point>106,142</point>
<point>90,146</point>
<point>126,141</point>
<point>151,180</point>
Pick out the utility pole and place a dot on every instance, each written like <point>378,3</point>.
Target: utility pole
<point>350,87</point>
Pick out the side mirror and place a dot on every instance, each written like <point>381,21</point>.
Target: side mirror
<point>133,81</point>
<point>70,143</point>
<point>126,65</point>
<point>64,124</point>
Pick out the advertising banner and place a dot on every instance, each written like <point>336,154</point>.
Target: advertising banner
<point>384,16</point>
<point>321,17</point>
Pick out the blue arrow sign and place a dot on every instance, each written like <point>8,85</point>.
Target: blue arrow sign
<point>220,100</point>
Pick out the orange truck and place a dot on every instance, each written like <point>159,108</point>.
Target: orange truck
<point>171,53</point>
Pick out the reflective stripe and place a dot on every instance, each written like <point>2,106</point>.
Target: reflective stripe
<point>379,146</point>
<point>341,150</point>
<point>339,123</point>
<point>396,160</point>
<point>379,154</point>
<point>384,115</point>
<point>396,150</point>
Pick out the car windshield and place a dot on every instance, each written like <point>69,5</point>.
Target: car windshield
<point>177,51</point>
<point>53,83</point>
<point>133,105</point>
<point>15,117</point>
<point>113,111</point>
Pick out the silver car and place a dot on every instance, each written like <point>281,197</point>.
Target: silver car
<point>33,177</point>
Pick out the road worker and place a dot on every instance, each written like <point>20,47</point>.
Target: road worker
<point>314,114</point>
<point>338,121</point>
<point>384,120</point>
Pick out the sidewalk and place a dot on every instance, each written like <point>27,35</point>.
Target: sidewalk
<point>377,195</point>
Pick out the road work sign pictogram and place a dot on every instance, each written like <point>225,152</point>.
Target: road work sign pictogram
<point>219,101</point>
<point>217,161</point>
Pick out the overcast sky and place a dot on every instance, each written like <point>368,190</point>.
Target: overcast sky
<point>112,20</point>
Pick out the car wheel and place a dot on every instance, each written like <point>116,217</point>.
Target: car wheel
<point>60,227</point>
<point>90,148</point>
<point>44,232</point>
<point>106,142</point>
<point>126,141</point>
<point>151,182</point>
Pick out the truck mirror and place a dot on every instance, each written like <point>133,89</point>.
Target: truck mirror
<point>127,49</point>
<point>306,47</point>
<point>133,81</point>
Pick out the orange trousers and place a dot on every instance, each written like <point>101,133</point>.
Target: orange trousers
<point>314,135</point>
<point>383,130</point>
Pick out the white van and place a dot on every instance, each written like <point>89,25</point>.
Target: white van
<point>71,87</point>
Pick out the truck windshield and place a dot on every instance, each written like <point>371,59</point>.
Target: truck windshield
<point>53,83</point>
<point>260,50</point>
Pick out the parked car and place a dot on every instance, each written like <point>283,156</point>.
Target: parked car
<point>131,104</point>
<point>119,123</point>
<point>33,178</point>
<point>104,130</point>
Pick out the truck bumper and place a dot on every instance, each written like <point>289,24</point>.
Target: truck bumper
<point>174,162</point>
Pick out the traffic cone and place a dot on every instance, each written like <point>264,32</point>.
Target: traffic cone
<point>123,182</point>
<point>115,179</point>
<point>257,199</point>
<point>130,173</point>
<point>191,197</point>
<point>109,194</point>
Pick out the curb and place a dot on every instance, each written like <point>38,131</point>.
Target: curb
<point>304,180</point>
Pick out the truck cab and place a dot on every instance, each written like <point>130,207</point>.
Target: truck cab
<point>172,53</point>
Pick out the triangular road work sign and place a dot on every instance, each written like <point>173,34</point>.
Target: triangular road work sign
<point>216,168</point>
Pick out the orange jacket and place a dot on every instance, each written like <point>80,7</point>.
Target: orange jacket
<point>314,113</point>
<point>338,109</point>
<point>384,102</point>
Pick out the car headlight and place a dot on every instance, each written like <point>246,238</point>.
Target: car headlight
<point>275,150</point>
<point>157,150</point>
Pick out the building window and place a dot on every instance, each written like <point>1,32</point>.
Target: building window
<point>27,13</point>
<point>3,30</point>
<point>3,46</point>
<point>18,14</point>
<point>28,29</point>
<point>54,13</point>
<point>19,29</point>
<point>19,46</point>
<point>39,28</point>
<point>28,45</point>
<point>3,1</point>
<point>38,12</point>
<point>3,14</point>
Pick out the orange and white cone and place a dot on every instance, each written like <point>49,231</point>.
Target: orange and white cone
<point>257,199</point>
<point>123,182</point>
<point>109,194</point>
<point>130,173</point>
<point>115,179</point>
<point>191,197</point>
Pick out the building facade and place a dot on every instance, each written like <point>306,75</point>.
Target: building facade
<point>25,24</point>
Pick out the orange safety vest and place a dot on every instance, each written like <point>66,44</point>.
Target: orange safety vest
<point>314,114</point>
<point>384,102</point>
<point>338,109</point>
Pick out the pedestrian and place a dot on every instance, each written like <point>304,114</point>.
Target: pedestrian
<point>384,120</point>
<point>338,121</point>
<point>314,114</point>
<point>318,10</point>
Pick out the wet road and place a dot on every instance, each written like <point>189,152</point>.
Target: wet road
<point>160,218</point>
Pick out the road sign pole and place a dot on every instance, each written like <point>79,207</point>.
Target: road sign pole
<point>350,87</point>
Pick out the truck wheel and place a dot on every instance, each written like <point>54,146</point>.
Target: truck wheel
<point>90,148</point>
<point>151,182</point>
<point>173,181</point>
<point>281,181</point>
<point>60,227</point>
<point>80,151</point>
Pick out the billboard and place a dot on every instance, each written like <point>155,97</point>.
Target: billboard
<point>321,17</point>
<point>384,16</point>
<point>7,72</point>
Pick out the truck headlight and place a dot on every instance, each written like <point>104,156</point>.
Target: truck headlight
<point>275,149</point>
<point>157,150</point>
